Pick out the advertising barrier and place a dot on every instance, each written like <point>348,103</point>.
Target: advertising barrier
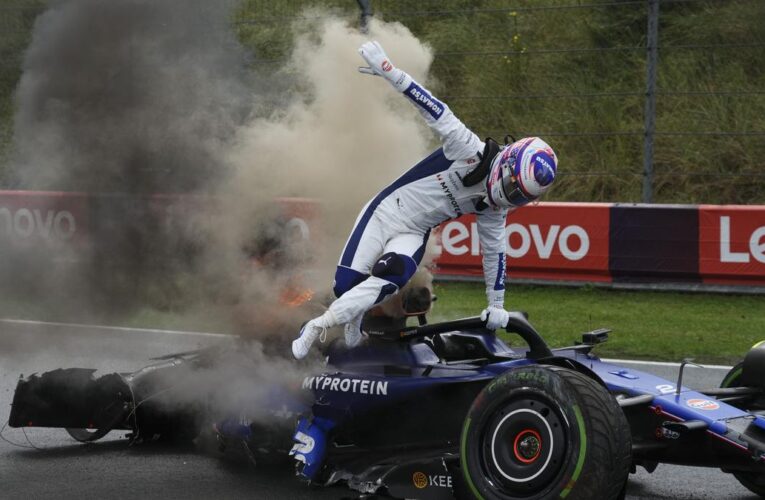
<point>34,218</point>
<point>618,243</point>
<point>731,244</point>
<point>551,241</point>
<point>580,242</point>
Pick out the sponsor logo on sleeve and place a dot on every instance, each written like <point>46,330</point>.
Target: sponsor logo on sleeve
<point>499,284</point>
<point>424,100</point>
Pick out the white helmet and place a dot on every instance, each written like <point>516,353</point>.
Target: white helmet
<point>521,173</point>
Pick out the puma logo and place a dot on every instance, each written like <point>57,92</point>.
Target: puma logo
<point>384,262</point>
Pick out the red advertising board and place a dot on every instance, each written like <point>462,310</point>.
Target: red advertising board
<point>31,218</point>
<point>588,242</point>
<point>732,244</point>
<point>557,241</point>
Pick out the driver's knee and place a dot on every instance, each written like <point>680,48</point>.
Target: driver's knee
<point>394,268</point>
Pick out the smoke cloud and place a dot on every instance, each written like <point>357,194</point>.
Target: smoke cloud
<point>140,97</point>
<point>347,134</point>
<point>338,141</point>
<point>130,98</point>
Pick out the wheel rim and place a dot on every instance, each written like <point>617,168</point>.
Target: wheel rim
<point>524,446</point>
<point>527,446</point>
<point>87,435</point>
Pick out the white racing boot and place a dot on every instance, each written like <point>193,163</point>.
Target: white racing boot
<point>353,332</point>
<point>314,329</point>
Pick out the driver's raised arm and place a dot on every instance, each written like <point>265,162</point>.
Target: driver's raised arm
<point>459,141</point>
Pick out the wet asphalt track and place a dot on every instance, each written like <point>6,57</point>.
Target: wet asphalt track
<point>61,468</point>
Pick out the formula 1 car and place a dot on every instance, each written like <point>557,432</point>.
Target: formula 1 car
<point>449,410</point>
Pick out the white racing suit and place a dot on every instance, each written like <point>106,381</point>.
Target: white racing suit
<point>390,234</point>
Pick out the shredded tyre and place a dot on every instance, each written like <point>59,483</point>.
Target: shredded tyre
<point>543,432</point>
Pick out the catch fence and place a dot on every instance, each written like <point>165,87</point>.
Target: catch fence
<point>644,100</point>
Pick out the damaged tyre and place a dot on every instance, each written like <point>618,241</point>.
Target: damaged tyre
<point>545,432</point>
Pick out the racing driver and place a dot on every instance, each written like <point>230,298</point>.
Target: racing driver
<point>464,176</point>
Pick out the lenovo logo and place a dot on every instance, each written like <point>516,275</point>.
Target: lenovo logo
<point>25,223</point>
<point>572,242</point>
<point>729,253</point>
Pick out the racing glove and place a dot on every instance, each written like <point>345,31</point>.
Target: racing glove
<point>495,317</point>
<point>380,65</point>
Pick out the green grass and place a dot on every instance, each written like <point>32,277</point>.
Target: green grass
<point>665,326</point>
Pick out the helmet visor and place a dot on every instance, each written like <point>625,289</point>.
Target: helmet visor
<point>514,194</point>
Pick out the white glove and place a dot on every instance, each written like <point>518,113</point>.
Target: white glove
<point>380,64</point>
<point>495,317</point>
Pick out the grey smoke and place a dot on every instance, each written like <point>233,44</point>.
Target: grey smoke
<point>157,96</point>
<point>144,97</point>
<point>129,96</point>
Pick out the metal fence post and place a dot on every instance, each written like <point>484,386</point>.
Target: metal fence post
<point>652,56</point>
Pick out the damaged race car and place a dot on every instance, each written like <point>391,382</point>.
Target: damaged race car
<point>445,410</point>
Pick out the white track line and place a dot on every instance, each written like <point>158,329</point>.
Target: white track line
<point>111,328</point>
<point>207,334</point>
<point>661,363</point>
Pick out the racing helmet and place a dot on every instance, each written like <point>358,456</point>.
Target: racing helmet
<point>521,173</point>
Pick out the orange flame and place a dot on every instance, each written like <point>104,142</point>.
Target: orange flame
<point>295,297</point>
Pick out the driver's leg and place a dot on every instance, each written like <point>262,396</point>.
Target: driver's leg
<point>365,244</point>
<point>402,254</point>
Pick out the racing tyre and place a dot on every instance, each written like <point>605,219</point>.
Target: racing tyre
<point>752,481</point>
<point>545,432</point>
<point>733,379</point>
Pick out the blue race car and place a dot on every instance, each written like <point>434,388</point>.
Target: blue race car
<point>449,410</point>
<point>444,410</point>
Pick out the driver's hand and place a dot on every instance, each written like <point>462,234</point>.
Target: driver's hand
<point>495,317</point>
<point>376,58</point>
<point>381,65</point>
